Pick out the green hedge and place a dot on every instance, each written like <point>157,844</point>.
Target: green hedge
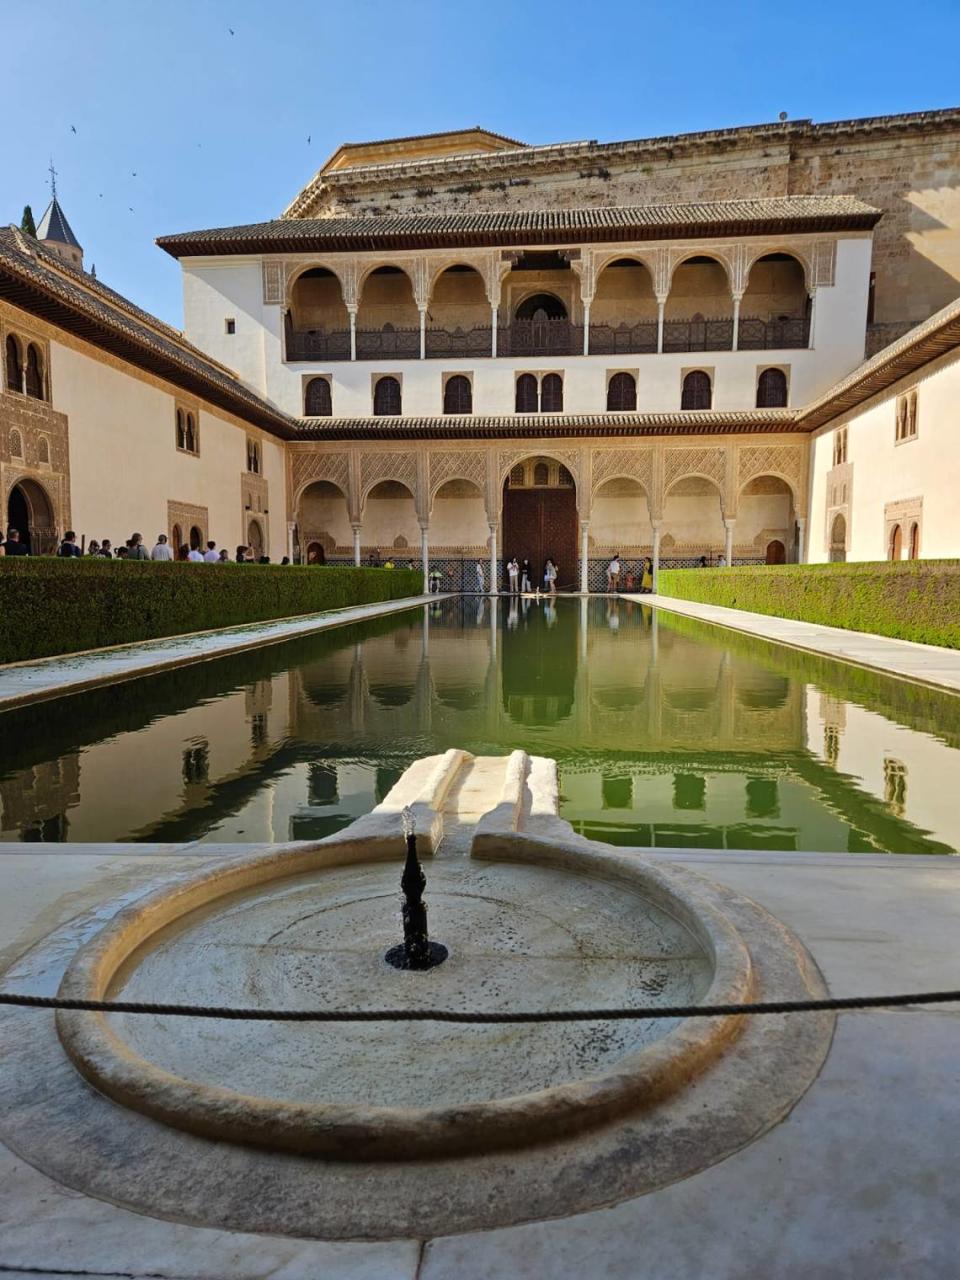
<point>51,606</point>
<point>909,600</point>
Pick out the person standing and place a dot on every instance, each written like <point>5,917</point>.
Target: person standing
<point>481,578</point>
<point>13,546</point>
<point>613,573</point>
<point>224,557</point>
<point>210,556</point>
<point>106,550</point>
<point>513,572</point>
<point>550,577</point>
<point>195,555</point>
<point>646,583</point>
<point>68,547</point>
<point>526,576</point>
<point>241,555</point>
<point>163,549</point>
<point>721,561</point>
<point>135,548</point>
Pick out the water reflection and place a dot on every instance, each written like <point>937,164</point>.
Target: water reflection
<point>668,733</point>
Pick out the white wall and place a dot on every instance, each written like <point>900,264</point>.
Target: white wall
<point>883,471</point>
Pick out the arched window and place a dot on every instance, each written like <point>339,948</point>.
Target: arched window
<point>181,430</point>
<point>191,445</point>
<point>527,398</point>
<point>317,401</point>
<point>697,390</point>
<point>196,538</point>
<point>458,395</point>
<point>542,307</point>
<point>772,389</point>
<point>386,397</point>
<point>551,394</point>
<point>516,476</point>
<point>253,457</point>
<point>34,373</point>
<point>16,444</point>
<point>14,370</point>
<point>896,543</point>
<point>43,449</point>
<point>564,478</point>
<point>541,474</point>
<point>622,393</point>
<point>914,541</point>
<point>177,539</point>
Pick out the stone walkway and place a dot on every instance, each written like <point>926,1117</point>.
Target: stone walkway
<point>50,677</point>
<point>926,663</point>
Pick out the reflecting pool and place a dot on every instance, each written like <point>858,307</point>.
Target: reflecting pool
<point>668,732</point>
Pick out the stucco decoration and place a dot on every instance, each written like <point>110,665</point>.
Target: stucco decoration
<point>273,283</point>
<point>783,460</point>
<point>389,464</point>
<point>457,464</point>
<point>187,515</point>
<point>570,458</point>
<point>709,462</point>
<point>306,467</point>
<point>632,464</point>
<point>824,263</point>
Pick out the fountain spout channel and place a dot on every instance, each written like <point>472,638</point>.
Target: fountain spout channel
<point>416,951</point>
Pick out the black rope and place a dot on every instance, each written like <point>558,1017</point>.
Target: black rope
<point>831,1005</point>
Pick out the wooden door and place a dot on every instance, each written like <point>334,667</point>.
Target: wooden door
<point>538,523</point>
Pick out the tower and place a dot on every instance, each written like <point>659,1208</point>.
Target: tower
<point>55,232</point>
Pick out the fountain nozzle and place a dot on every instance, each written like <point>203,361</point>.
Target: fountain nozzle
<point>416,951</point>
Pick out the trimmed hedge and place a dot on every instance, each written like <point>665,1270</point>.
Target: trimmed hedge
<point>51,606</point>
<point>908,600</point>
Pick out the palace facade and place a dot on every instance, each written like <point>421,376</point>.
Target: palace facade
<point>458,347</point>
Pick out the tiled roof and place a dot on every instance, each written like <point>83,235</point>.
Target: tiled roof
<point>54,226</point>
<point>923,343</point>
<point>37,281</point>
<point>543,425</point>
<point>530,226</point>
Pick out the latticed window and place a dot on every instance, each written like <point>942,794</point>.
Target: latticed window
<point>386,397</point>
<point>191,445</point>
<point>181,430</point>
<point>541,474</point>
<point>317,401</point>
<point>772,389</point>
<point>43,449</point>
<point>14,371</point>
<point>517,479</point>
<point>551,394</point>
<point>697,390</point>
<point>458,395</point>
<point>34,373</point>
<point>16,445</point>
<point>564,478</point>
<point>622,393</point>
<point>527,398</point>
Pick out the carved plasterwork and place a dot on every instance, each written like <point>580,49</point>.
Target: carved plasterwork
<point>702,461</point>
<point>508,458</point>
<point>786,461</point>
<point>306,467</point>
<point>274,283</point>
<point>187,515</point>
<point>824,263</point>
<point>457,464</point>
<point>631,464</point>
<point>389,464</point>
<point>724,254</point>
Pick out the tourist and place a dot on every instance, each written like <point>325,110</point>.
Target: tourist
<point>135,548</point>
<point>646,583</point>
<point>550,577</point>
<point>224,557</point>
<point>210,556</point>
<point>183,553</point>
<point>526,576</point>
<point>389,565</point>
<point>513,569</point>
<point>721,561</point>
<point>613,573</point>
<point>436,580</point>
<point>68,547</point>
<point>105,549</point>
<point>285,560</point>
<point>13,546</point>
<point>481,578</point>
<point>163,549</point>
<point>241,555</point>
<point>195,556</point>
<point>264,560</point>
<point>123,552</point>
<point>93,547</point>
<point>703,562</point>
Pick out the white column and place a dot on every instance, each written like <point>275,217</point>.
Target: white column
<point>425,557</point>
<point>584,557</point>
<point>656,553</point>
<point>728,541</point>
<point>290,531</point>
<point>801,539</point>
<point>493,559</point>
<point>586,328</point>
<point>356,543</point>
<point>736,323</point>
<point>353,333</point>
<point>812,341</point>
<point>423,333</point>
<point>661,306</point>
<point>494,312</point>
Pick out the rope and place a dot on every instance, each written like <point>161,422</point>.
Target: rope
<point>832,1005</point>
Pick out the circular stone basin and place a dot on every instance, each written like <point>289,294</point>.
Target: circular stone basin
<point>558,930</point>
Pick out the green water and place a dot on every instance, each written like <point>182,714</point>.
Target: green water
<point>667,732</point>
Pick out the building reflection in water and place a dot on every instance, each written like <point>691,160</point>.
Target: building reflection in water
<point>668,733</point>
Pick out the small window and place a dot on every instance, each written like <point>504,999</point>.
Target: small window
<point>16,444</point>
<point>253,457</point>
<point>541,474</point>
<point>906,416</point>
<point>317,400</point>
<point>188,438</point>
<point>34,372</point>
<point>527,398</point>
<point>458,395</point>
<point>517,480</point>
<point>181,430</point>
<point>564,478</point>
<point>622,393</point>
<point>14,369</point>
<point>191,434</point>
<point>551,394</point>
<point>840,446</point>
<point>772,389</point>
<point>230,325</point>
<point>697,392</point>
<point>43,450</point>
<point>386,397</point>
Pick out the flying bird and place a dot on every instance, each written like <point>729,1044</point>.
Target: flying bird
<point>231,30</point>
<point>308,139</point>
<point>73,128</point>
<point>130,207</point>
<point>133,173</point>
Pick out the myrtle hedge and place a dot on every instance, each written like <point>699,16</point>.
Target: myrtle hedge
<point>51,606</point>
<point>909,600</point>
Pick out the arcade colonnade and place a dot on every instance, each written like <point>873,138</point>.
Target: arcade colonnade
<point>673,500</point>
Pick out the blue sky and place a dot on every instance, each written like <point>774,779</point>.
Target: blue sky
<point>180,124</point>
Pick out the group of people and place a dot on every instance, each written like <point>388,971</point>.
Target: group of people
<point>135,549</point>
<point>614,569</point>
<point>521,578</point>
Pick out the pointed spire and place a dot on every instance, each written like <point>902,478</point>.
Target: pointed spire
<point>55,232</point>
